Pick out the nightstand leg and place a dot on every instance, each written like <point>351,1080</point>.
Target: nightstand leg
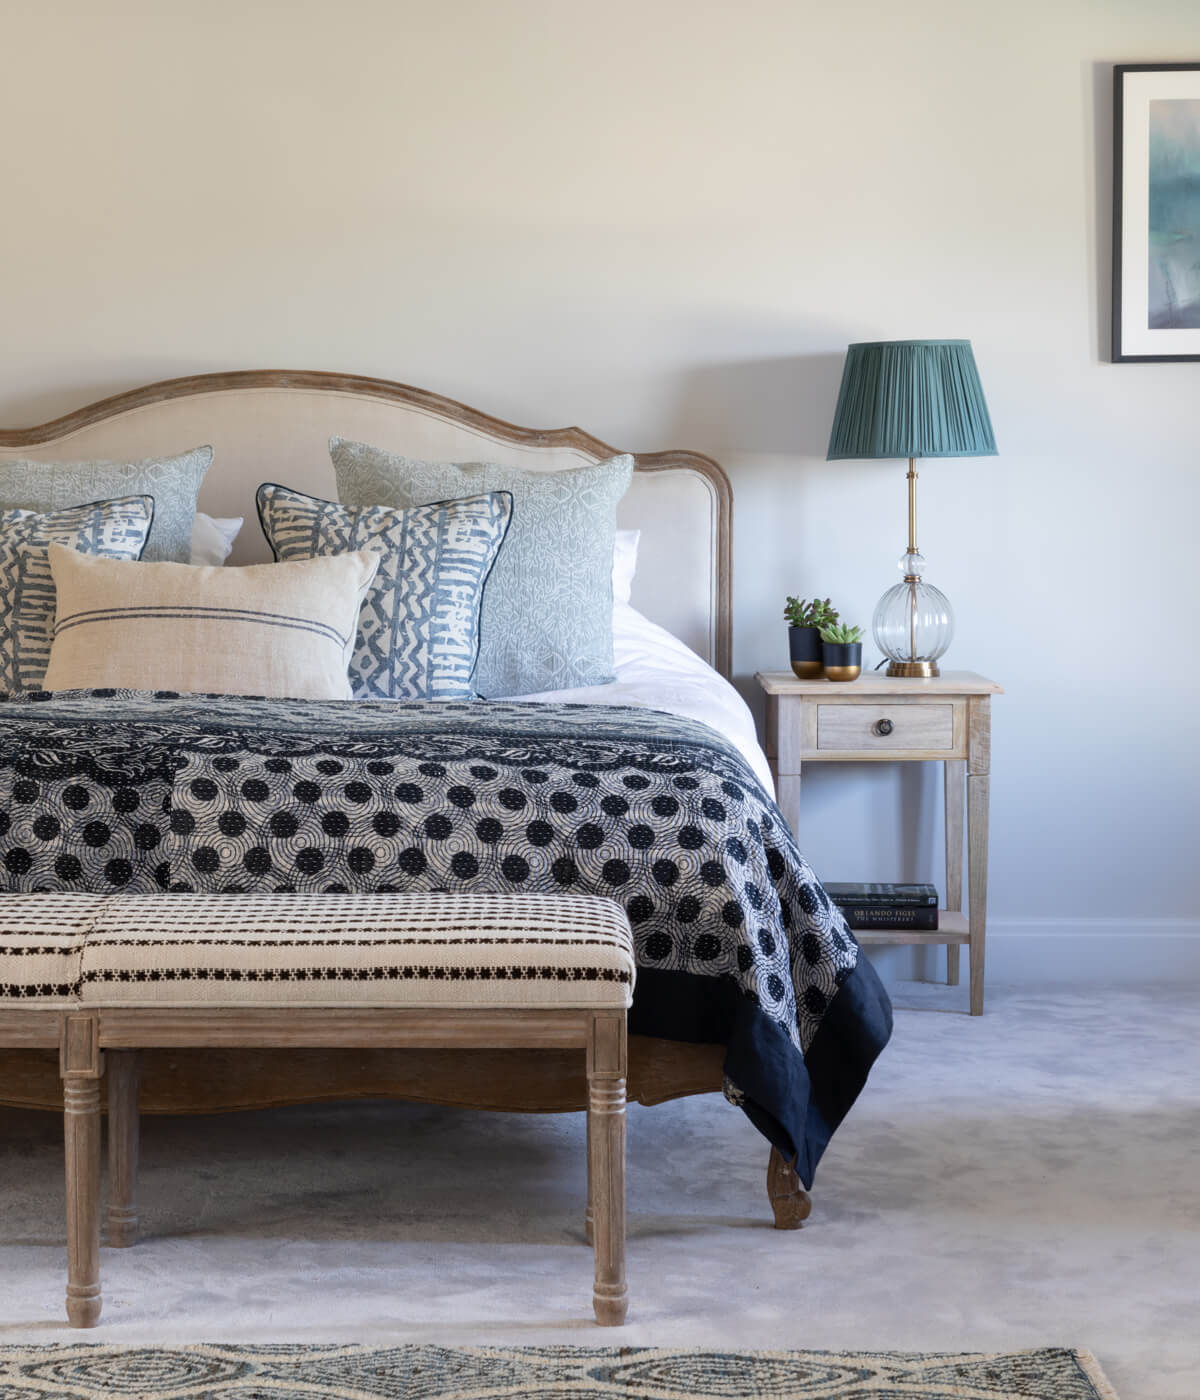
<point>956,772</point>
<point>787,787</point>
<point>978,782</point>
<point>977,855</point>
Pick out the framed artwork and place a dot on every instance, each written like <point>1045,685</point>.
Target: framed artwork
<point>1156,212</point>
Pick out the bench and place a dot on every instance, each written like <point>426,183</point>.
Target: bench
<point>102,977</point>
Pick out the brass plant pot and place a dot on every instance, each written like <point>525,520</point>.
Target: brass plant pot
<point>804,647</point>
<point>842,661</point>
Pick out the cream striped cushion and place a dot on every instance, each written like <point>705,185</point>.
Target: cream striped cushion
<point>280,630</point>
<point>41,946</point>
<point>359,950</point>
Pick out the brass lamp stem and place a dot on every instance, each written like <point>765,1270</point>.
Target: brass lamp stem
<point>911,579</point>
<point>912,667</point>
<point>912,506</point>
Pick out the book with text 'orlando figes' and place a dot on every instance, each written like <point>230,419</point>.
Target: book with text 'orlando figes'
<point>883,906</point>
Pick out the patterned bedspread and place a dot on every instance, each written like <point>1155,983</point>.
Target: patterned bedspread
<point>737,942</point>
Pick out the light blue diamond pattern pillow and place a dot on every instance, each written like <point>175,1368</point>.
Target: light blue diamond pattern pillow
<point>115,529</point>
<point>172,482</point>
<point>418,630</point>
<point>547,616</point>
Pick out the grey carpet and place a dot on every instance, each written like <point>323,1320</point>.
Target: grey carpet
<point>542,1373</point>
<point>1024,1179</point>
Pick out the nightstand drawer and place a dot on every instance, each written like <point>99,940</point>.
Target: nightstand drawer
<point>886,728</point>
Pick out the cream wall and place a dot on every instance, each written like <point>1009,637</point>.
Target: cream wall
<point>664,220</point>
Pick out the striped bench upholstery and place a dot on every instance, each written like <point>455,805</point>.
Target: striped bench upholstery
<point>314,950</point>
<point>420,950</point>
<point>104,976</point>
<point>41,947</point>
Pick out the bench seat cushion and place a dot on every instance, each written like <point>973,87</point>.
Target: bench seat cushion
<point>359,950</point>
<point>41,946</point>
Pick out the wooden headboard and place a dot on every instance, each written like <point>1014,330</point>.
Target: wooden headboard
<point>275,425</point>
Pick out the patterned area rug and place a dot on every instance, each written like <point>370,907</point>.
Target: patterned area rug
<point>550,1373</point>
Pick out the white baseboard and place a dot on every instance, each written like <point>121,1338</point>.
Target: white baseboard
<point>1082,952</point>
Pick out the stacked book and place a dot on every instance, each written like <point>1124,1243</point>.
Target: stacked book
<point>887,906</point>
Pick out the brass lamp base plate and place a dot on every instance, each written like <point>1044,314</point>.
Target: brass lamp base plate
<point>926,669</point>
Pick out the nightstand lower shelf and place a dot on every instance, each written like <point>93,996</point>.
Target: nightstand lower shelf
<point>952,928</point>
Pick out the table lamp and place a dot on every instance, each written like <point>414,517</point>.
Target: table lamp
<point>911,398</point>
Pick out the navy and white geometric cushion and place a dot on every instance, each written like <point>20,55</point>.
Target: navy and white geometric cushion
<point>418,634</point>
<point>114,529</point>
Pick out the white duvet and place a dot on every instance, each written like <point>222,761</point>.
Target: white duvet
<point>658,672</point>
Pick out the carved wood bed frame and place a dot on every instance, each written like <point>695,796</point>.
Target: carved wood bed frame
<point>683,503</point>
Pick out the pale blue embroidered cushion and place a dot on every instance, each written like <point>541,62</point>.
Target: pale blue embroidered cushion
<point>115,529</point>
<point>172,482</point>
<point>418,631</point>
<point>547,614</point>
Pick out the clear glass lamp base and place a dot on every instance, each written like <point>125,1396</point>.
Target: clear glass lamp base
<point>913,626</point>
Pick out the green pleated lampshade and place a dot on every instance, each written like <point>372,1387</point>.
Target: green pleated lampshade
<point>911,398</point>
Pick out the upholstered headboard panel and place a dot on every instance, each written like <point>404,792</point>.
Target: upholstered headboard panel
<point>275,425</point>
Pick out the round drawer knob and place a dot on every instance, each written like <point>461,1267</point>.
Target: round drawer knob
<point>883,726</point>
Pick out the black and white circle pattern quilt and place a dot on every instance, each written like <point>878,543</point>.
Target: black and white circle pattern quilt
<point>137,792</point>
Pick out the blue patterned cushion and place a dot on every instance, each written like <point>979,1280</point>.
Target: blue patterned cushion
<point>418,632</point>
<point>115,529</point>
<point>547,617</point>
<point>172,483</point>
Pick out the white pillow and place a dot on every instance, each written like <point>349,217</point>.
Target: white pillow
<point>625,550</point>
<point>212,539</point>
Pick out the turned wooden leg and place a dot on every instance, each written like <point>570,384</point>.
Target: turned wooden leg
<point>81,1067</point>
<point>124,1075</point>
<point>589,1218</point>
<point>606,1165</point>
<point>789,1200</point>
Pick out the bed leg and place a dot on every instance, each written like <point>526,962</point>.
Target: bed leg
<point>81,1068</point>
<point>124,1074</point>
<point>790,1202</point>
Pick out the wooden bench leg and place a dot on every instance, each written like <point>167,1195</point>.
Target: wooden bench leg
<point>606,1164</point>
<point>81,1067</point>
<point>790,1202</point>
<point>124,1078</point>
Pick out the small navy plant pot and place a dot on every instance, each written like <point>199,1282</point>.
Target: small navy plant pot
<point>842,660</point>
<point>804,646</point>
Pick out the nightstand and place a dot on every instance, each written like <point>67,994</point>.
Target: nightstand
<point>885,719</point>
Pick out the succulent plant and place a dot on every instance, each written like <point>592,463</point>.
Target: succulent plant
<point>841,634</point>
<point>799,612</point>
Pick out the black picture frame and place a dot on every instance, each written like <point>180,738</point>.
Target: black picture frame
<point>1134,338</point>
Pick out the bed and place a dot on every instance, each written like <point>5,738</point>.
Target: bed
<point>664,717</point>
